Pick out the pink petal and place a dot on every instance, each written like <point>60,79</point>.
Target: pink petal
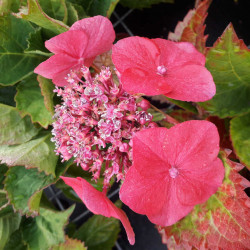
<point>98,203</point>
<point>189,149</point>
<point>172,210</point>
<point>190,83</point>
<point>135,52</point>
<point>135,80</point>
<point>191,145</point>
<point>54,65</point>
<point>149,155</point>
<point>72,43</point>
<point>175,54</point>
<point>197,186</point>
<point>100,33</point>
<point>144,195</point>
<point>59,79</point>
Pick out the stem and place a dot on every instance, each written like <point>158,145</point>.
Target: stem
<point>97,69</point>
<point>168,118</point>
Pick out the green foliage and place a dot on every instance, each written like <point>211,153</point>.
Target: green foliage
<point>36,44</point>
<point>19,195</point>
<point>9,222</point>
<point>13,128</point>
<point>3,170</point>
<point>15,65</point>
<point>97,7</point>
<point>55,8</point>
<point>140,4</point>
<point>27,200</point>
<point>41,232</point>
<point>229,61</point>
<point>73,14</point>
<point>16,242</point>
<point>7,6</point>
<point>7,95</point>
<point>30,101</point>
<point>34,13</point>
<point>99,232</point>
<point>47,88</point>
<point>45,230</point>
<point>36,153</point>
<point>71,244</point>
<point>185,105</point>
<point>240,136</point>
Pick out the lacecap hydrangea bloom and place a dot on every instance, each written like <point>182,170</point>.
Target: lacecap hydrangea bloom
<point>173,170</point>
<point>79,46</point>
<point>104,125</point>
<point>158,66</point>
<point>95,122</point>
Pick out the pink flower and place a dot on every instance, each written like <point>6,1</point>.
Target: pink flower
<point>95,122</point>
<point>98,203</point>
<point>158,66</point>
<point>173,170</point>
<point>79,46</point>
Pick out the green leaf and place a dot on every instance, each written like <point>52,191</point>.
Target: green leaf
<point>27,200</point>
<point>229,62</point>
<point>16,182</point>
<point>36,44</point>
<point>56,9</point>
<point>14,64</point>
<point>9,6</point>
<point>9,222</point>
<point>3,170</point>
<point>16,242</point>
<point>97,7</point>
<point>71,244</point>
<point>240,136</point>
<point>30,101</point>
<point>99,232</point>
<point>185,105</point>
<point>140,4</point>
<point>45,230</point>
<point>36,153</point>
<point>7,95</point>
<point>34,13</point>
<point>72,13</point>
<point>13,128</point>
<point>47,88</point>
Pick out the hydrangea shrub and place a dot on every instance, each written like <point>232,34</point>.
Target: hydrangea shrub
<point>77,111</point>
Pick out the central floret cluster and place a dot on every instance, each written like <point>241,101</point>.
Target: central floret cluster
<point>96,121</point>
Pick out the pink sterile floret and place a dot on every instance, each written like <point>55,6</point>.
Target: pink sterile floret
<point>173,170</point>
<point>95,122</point>
<point>79,46</point>
<point>98,203</point>
<point>159,66</point>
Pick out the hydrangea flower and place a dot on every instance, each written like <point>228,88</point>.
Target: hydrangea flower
<point>95,122</point>
<point>158,66</point>
<point>79,46</point>
<point>98,203</point>
<point>173,170</point>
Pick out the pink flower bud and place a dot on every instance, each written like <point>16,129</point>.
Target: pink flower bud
<point>144,104</point>
<point>124,147</point>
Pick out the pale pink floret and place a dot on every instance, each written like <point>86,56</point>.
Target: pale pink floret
<point>98,203</point>
<point>159,66</point>
<point>173,170</point>
<point>95,122</point>
<point>79,46</point>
